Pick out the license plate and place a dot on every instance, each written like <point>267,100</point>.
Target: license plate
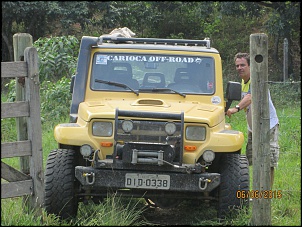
<point>148,181</point>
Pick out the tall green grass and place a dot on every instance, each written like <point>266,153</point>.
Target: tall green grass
<point>114,211</point>
<point>286,211</point>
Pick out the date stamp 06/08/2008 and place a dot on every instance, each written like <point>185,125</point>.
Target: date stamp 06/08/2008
<point>259,194</point>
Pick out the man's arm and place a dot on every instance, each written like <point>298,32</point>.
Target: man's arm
<point>245,102</point>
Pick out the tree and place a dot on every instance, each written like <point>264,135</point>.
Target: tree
<point>225,23</point>
<point>21,17</point>
<point>279,20</point>
<point>43,18</point>
<point>283,23</point>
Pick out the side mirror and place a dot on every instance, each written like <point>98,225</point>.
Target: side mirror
<point>233,92</point>
<point>72,84</point>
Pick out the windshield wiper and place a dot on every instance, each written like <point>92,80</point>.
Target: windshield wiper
<point>116,84</point>
<point>164,89</point>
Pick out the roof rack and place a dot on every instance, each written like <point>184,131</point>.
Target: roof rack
<point>187,42</point>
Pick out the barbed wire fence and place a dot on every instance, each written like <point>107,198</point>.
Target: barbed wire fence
<point>289,140</point>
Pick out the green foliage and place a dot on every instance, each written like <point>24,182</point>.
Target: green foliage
<point>55,99</point>
<point>171,21</point>
<point>25,16</point>
<point>11,91</point>
<point>286,94</point>
<point>227,24</point>
<point>240,9</point>
<point>57,57</point>
<point>283,18</point>
<point>13,213</point>
<point>285,210</point>
<point>8,125</point>
<point>39,18</point>
<point>113,211</point>
<point>8,130</point>
<point>120,14</point>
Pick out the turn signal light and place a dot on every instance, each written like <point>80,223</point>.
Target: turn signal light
<point>190,148</point>
<point>106,144</point>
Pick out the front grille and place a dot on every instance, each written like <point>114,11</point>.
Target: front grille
<point>146,131</point>
<point>147,142</point>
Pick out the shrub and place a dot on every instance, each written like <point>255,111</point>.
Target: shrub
<point>57,57</point>
<point>55,99</point>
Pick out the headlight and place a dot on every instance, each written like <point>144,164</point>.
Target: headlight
<point>86,150</point>
<point>208,155</point>
<point>196,133</point>
<point>170,128</point>
<point>127,125</point>
<point>102,129</point>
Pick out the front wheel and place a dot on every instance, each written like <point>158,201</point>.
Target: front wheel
<point>60,184</point>
<point>234,177</point>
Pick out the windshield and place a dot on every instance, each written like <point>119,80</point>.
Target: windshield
<point>151,73</point>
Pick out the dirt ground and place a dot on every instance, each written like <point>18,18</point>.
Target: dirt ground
<point>187,213</point>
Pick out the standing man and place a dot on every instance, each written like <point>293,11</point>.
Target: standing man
<point>242,63</point>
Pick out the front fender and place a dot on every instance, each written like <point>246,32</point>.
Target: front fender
<point>223,141</point>
<point>73,134</point>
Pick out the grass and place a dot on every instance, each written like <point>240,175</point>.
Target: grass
<point>285,211</point>
<point>114,211</point>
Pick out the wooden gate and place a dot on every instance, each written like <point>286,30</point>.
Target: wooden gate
<point>17,183</point>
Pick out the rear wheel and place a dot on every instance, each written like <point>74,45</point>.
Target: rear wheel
<point>60,184</point>
<point>234,177</point>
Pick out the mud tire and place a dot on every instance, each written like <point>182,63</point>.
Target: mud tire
<point>234,177</point>
<point>60,184</point>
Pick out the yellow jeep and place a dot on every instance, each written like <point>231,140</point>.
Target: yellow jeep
<point>147,120</point>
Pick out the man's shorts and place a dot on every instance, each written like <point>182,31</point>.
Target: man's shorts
<point>274,147</point>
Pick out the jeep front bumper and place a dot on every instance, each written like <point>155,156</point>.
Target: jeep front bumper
<point>116,179</point>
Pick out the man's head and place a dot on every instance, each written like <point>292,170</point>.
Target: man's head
<point>242,63</point>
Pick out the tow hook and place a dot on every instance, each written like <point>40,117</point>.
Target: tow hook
<point>203,183</point>
<point>87,176</point>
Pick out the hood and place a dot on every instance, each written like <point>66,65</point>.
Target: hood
<point>194,111</point>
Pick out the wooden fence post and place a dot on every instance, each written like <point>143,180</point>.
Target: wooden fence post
<point>261,211</point>
<point>20,42</point>
<point>30,128</point>
<point>34,128</point>
<point>285,60</point>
